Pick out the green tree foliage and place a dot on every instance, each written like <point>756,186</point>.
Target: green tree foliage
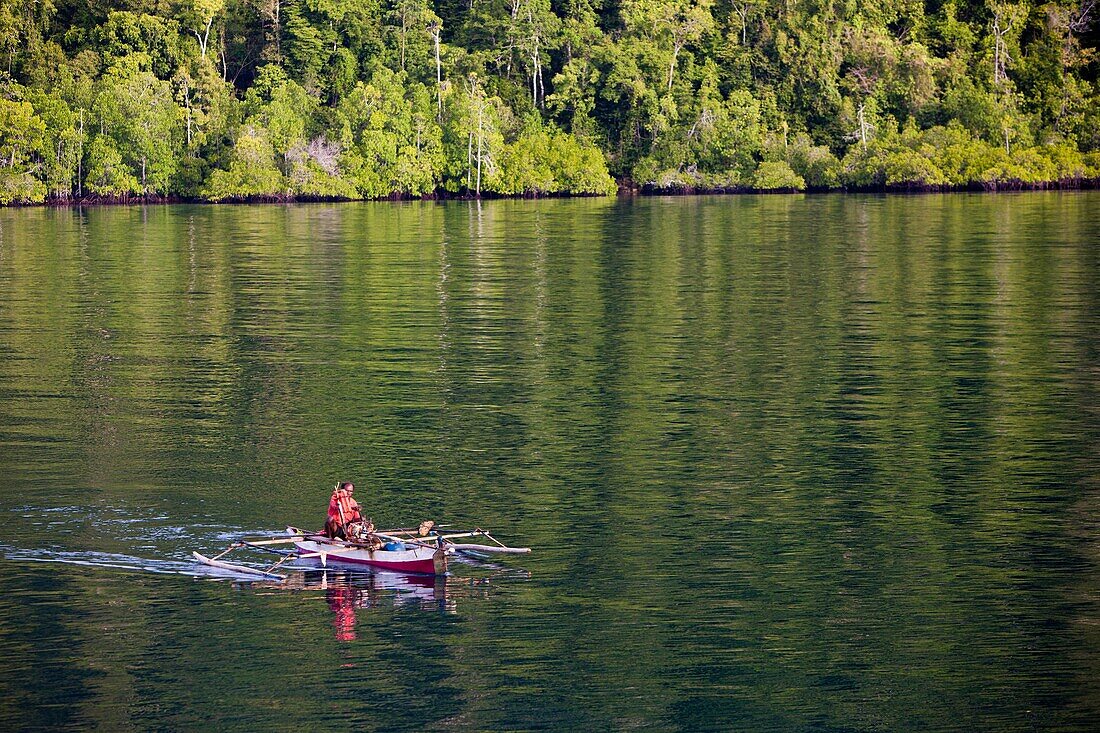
<point>283,108</point>
<point>777,175</point>
<point>61,146</point>
<point>126,33</point>
<point>544,160</point>
<point>198,17</point>
<point>108,175</point>
<point>210,115</point>
<point>815,164</point>
<point>252,172</point>
<point>21,134</point>
<point>138,119</point>
<point>395,141</point>
<point>714,142</point>
<point>230,99</point>
<point>952,156</point>
<point>315,171</point>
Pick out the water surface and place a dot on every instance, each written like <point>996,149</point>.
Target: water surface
<point>787,462</point>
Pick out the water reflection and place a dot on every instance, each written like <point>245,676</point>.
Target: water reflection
<point>349,592</point>
<point>786,462</point>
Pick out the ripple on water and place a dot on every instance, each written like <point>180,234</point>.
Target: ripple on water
<point>787,462</point>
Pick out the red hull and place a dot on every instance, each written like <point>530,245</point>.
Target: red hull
<point>424,566</point>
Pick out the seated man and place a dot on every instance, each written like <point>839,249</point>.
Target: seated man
<point>342,511</point>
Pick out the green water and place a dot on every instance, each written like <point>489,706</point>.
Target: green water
<point>787,463</point>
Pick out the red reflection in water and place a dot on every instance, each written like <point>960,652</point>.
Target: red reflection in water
<point>342,600</point>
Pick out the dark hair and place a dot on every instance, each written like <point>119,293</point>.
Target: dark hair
<point>345,484</point>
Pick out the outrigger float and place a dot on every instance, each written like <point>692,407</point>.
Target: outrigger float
<point>401,550</point>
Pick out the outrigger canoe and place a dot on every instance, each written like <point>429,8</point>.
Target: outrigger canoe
<point>404,551</point>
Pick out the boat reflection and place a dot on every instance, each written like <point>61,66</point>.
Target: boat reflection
<point>348,592</point>
<point>342,601</point>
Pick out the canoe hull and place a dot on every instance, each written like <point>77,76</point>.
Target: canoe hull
<point>421,560</point>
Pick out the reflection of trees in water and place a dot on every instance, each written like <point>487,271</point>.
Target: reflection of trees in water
<point>828,446</point>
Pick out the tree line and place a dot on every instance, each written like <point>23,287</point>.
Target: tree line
<point>310,99</point>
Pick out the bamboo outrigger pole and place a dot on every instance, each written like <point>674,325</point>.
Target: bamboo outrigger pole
<point>239,568</point>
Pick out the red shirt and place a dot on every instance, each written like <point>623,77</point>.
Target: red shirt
<point>341,502</point>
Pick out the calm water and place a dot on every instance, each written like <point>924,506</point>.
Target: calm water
<point>787,463</point>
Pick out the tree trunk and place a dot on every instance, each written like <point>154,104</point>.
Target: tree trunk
<point>438,75</point>
<point>273,13</point>
<point>203,38</point>
<point>1000,48</point>
<point>996,50</point>
<point>672,66</point>
<point>221,53</point>
<point>862,128</point>
<point>536,72</point>
<point>80,160</point>
<point>404,32</point>
<point>478,191</point>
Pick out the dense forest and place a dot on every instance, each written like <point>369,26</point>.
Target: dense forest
<point>309,99</point>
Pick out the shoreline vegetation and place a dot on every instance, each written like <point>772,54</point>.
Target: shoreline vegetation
<point>150,101</point>
<point>623,190</point>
